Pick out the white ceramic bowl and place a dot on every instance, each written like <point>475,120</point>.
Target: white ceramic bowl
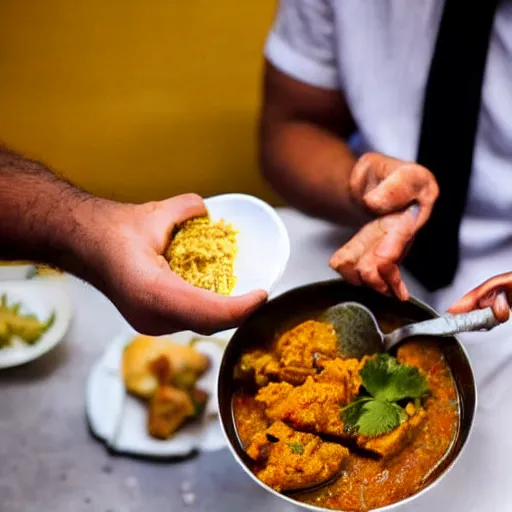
<point>263,242</point>
<point>15,272</point>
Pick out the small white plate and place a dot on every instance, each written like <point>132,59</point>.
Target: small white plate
<point>120,420</point>
<point>263,242</point>
<point>40,298</point>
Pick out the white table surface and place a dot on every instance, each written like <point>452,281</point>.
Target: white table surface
<point>50,462</point>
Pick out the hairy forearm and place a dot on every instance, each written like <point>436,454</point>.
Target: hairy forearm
<point>310,168</point>
<point>43,218</point>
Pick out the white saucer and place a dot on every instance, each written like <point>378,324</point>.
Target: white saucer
<point>40,298</point>
<point>119,419</point>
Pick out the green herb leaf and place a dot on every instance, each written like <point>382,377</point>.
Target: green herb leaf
<point>351,414</point>
<point>387,380</point>
<point>372,417</point>
<point>378,418</point>
<point>296,448</point>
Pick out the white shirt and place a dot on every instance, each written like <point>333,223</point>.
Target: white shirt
<point>378,53</point>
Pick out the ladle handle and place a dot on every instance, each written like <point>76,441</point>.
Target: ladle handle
<point>446,325</point>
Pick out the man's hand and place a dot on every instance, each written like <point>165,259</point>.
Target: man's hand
<point>116,247</point>
<point>495,293</point>
<point>122,251</point>
<point>401,195</point>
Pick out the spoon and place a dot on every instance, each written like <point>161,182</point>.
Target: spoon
<point>359,333</point>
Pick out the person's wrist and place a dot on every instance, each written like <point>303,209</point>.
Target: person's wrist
<point>83,237</point>
<point>359,211</point>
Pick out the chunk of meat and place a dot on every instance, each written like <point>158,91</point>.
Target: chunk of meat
<point>344,372</point>
<point>299,347</point>
<point>294,356</point>
<point>393,443</point>
<point>289,460</point>
<point>260,365</point>
<point>249,416</point>
<point>315,406</point>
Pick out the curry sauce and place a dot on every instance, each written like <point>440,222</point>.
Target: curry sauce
<point>367,473</point>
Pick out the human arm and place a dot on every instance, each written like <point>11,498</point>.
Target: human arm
<point>303,148</point>
<point>305,124</point>
<point>116,247</point>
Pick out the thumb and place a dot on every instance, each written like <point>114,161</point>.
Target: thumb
<point>165,215</point>
<point>497,300</point>
<point>206,312</point>
<point>222,313</point>
<point>181,208</point>
<point>467,303</point>
<point>482,294</point>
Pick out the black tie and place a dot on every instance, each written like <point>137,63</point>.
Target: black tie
<point>451,111</point>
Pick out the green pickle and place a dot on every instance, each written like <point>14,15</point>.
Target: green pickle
<point>14,324</point>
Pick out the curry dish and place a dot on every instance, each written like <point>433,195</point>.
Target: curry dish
<point>344,434</point>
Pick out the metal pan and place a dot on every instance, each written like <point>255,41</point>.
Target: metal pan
<point>306,302</point>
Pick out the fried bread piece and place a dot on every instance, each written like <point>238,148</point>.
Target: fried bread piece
<point>149,362</point>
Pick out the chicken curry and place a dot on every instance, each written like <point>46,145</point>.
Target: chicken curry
<point>344,434</point>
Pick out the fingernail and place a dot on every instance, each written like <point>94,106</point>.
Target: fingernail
<point>414,210</point>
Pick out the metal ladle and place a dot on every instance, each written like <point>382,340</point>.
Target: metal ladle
<point>359,333</point>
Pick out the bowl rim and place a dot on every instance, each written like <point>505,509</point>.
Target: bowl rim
<point>401,503</point>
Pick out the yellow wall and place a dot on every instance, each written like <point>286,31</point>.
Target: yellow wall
<point>136,99</point>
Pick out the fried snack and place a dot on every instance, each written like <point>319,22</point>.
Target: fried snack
<point>203,253</point>
<point>149,362</point>
<point>291,460</point>
<point>169,408</point>
<point>199,399</point>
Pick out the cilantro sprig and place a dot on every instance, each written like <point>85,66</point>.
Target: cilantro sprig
<point>387,382</point>
<point>296,448</point>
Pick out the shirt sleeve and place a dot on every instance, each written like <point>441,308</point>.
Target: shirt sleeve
<point>302,42</point>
